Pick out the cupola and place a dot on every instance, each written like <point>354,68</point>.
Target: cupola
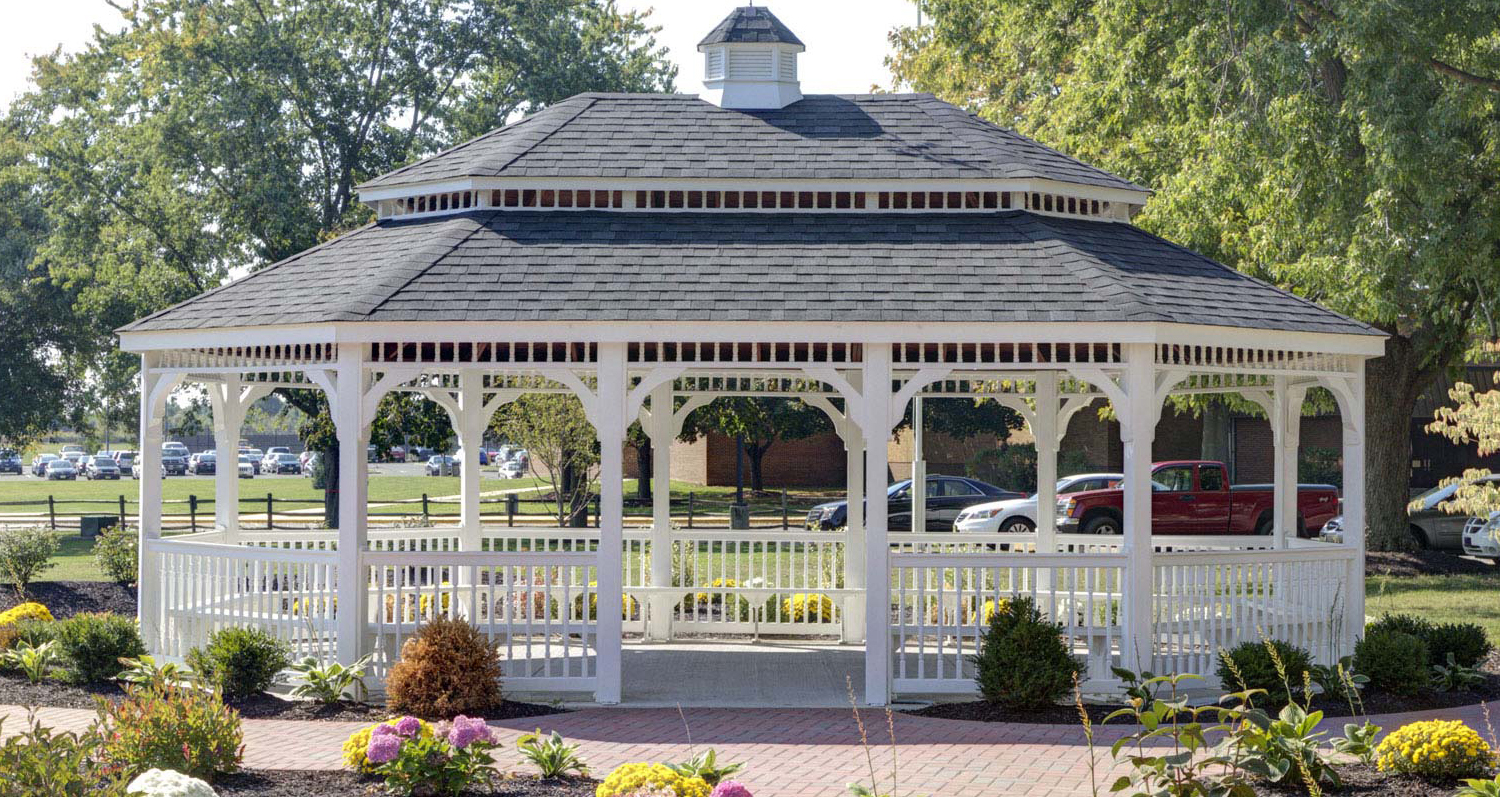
<point>750,61</point>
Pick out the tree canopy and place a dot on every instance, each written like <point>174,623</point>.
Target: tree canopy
<point>1345,151</point>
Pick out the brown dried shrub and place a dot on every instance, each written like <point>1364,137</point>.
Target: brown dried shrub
<point>447,668</point>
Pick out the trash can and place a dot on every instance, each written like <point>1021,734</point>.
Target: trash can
<point>739,516</point>
<point>89,526</point>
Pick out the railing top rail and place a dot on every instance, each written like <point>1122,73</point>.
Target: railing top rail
<point>1008,559</point>
<point>228,551</point>
<point>1331,553</point>
<point>478,558</point>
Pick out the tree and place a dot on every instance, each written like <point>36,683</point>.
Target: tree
<point>1344,151</point>
<point>1473,420</point>
<point>762,421</point>
<point>555,432</point>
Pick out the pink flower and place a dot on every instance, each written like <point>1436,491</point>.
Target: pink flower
<point>384,730</point>
<point>467,730</point>
<point>730,788</point>
<point>383,748</point>
<point>408,727</point>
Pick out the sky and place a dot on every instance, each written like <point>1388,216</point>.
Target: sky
<point>846,39</point>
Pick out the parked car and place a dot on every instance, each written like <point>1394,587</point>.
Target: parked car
<point>75,457</point>
<point>484,458</point>
<point>285,462</point>
<point>61,468</point>
<point>10,462</point>
<point>172,445</point>
<point>278,450</point>
<point>202,463</point>
<point>946,497</point>
<point>255,455</point>
<point>512,470</point>
<point>39,464</point>
<point>1018,515</point>
<point>1431,527</point>
<point>72,448</point>
<point>1482,538</point>
<point>247,468</point>
<point>174,462</point>
<point>125,459</point>
<point>135,469</point>
<point>435,465</point>
<point>1195,497</point>
<point>101,468</point>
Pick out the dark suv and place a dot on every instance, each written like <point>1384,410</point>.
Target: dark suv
<point>173,462</point>
<point>10,462</point>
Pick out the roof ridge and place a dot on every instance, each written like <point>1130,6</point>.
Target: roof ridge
<point>550,133</point>
<point>1121,286</point>
<point>1028,140</point>
<point>479,225</point>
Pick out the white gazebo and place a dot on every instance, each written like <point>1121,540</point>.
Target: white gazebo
<point>649,253</point>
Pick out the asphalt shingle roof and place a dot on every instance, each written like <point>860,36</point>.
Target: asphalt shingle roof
<point>496,266</point>
<point>821,136</point>
<point>754,24</point>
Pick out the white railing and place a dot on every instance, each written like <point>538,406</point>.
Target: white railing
<point>206,586</point>
<point>761,581</point>
<point>538,608</point>
<point>1205,602</point>
<point>942,602</point>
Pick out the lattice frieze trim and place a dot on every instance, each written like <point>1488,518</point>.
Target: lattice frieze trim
<point>744,352</point>
<point>1254,359</point>
<point>1005,353</point>
<point>266,356</point>
<point>482,352</point>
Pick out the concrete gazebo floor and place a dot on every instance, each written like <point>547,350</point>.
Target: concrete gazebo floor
<point>787,752</point>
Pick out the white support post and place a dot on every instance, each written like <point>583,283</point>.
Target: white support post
<point>347,408</point>
<point>1137,431</point>
<point>1352,407</point>
<point>918,469</point>
<point>610,424</point>
<point>471,422</point>
<point>876,424</point>
<point>154,389</point>
<point>659,428</point>
<point>1286,432</point>
<point>229,417</point>
<point>855,609</point>
<point>1048,439</point>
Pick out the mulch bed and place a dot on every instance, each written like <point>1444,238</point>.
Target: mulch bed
<point>285,783</point>
<point>1364,779</point>
<point>67,598</point>
<point>15,690</point>
<point>1425,563</point>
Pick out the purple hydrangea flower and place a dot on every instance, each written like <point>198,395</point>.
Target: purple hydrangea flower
<point>383,730</point>
<point>408,727</point>
<point>730,788</point>
<point>467,730</point>
<point>383,748</point>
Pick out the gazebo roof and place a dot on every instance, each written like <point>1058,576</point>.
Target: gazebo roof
<point>752,25</point>
<point>820,137</point>
<point>520,265</point>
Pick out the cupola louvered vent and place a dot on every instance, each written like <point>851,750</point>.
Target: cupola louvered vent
<point>750,61</point>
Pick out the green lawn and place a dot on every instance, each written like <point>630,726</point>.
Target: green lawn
<point>1442,599</point>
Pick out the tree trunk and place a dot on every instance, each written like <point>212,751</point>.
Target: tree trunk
<point>1392,384</point>
<point>643,462</point>
<point>1216,432</point>
<point>756,454</point>
<point>330,466</point>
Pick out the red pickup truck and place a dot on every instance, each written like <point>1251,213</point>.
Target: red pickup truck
<point>1194,497</point>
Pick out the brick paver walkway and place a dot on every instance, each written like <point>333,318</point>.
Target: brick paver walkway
<point>787,752</point>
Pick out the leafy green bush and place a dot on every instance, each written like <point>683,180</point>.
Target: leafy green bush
<point>34,632</point>
<point>241,662</point>
<point>1254,665</point>
<point>92,644</point>
<point>25,554</point>
<point>39,761</point>
<point>1394,661</point>
<point>172,727</point>
<point>1286,748</point>
<point>1465,642</point>
<point>116,551</point>
<point>1022,660</point>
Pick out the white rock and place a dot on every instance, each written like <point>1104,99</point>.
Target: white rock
<point>166,783</point>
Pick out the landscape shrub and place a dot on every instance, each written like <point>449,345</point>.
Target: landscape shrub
<point>807,607</point>
<point>25,554</point>
<point>1022,661</point>
<point>165,726</point>
<point>1254,666</point>
<point>439,764</point>
<point>446,668</point>
<point>358,744</point>
<point>628,778</point>
<point>1437,750</point>
<point>33,632</point>
<point>92,645</point>
<point>240,661</point>
<point>40,761</point>
<point>21,612</point>
<point>116,552</point>
<point>1466,642</point>
<point>1394,661</point>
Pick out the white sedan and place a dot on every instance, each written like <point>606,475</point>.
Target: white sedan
<point>247,468</point>
<point>1018,515</point>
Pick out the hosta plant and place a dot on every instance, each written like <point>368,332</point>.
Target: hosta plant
<point>329,683</point>
<point>706,765</point>
<point>1455,677</point>
<point>1479,787</point>
<point>1358,741</point>
<point>553,757</point>
<point>145,670</point>
<point>35,663</point>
